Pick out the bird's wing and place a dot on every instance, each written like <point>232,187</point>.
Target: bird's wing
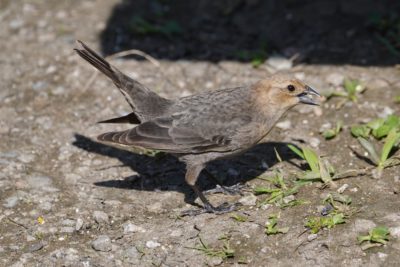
<point>161,134</point>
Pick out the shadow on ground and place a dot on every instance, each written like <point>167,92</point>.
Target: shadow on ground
<point>165,172</point>
<point>361,32</point>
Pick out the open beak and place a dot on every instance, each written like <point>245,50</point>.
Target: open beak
<point>306,96</point>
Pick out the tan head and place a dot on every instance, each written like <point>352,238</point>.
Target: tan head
<point>284,93</point>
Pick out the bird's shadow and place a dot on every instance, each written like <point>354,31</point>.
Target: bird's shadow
<point>166,173</point>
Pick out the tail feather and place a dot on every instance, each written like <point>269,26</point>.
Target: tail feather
<point>130,118</point>
<point>145,103</point>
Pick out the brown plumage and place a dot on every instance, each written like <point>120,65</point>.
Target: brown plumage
<point>202,127</point>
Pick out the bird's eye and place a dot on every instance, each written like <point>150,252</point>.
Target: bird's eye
<point>291,88</point>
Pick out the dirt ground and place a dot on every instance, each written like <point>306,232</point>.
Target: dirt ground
<point>67,200</point>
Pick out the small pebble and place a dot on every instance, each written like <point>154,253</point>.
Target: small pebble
<point>79,224</point>
<point>102,243</point>
<point>100,217</point>
<point>312,237</point>
<point>342,188</point>
<point>132,228</point>
<point>284,125</point>
<point>152,244</point>
<point>35,247</point>
<point>249,200</point>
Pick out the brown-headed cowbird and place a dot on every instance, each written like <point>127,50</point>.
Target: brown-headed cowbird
<point>201,127</point>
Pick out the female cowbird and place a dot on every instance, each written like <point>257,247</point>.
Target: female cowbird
<point>201,127</point>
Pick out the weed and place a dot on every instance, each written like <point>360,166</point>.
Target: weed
<point>223,252</point>
<point>271,227</point>
<point>332,133</point>
<point>378,128</point>
<point>377,236</point>
<point>278,192</point>
<point>320,169</point>
<point>352,88</point>
<point>315,224</point>
<point>382,160</point>
<point>239,218</point>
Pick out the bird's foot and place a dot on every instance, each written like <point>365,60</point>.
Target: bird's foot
<point>221,209</point>
<point>227,190</point>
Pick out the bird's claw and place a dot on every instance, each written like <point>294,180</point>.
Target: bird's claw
<point>227,190</point>
<point>221,209</point>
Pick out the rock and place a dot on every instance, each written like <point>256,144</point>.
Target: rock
<point>342,188</point>
<point>288,199</point>
<point>314,142</point>
<point>79,224</point>
<point>45,206</point>
<point>156,207</point>
<point>68,222</point>
<point>132,228</point>
<point>393,217</point>
<point>35,247</point>
<point>395,232</point>
<point>284,125</point>
<point>152,244</point>
<point>100,217</point>
<point>385,112</point>
<point>11,202</point>
<point>249,200</point>
<point>377,83</point>
<point>363,225</point>
<point>335,79</point>
<point>132,253</point>
<point>279,62</point>
<point>176,233</point>
<point>382,256</point>
<point>215,261</point>
<point>102,243</point>
<point>312,237</point>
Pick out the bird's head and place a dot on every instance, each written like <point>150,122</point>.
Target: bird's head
<point>285,93</point>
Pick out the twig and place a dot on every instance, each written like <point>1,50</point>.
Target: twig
<point>16,223</point>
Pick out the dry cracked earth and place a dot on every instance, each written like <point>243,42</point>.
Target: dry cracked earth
<point>67,200</point>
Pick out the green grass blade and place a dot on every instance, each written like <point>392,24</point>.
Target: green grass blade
<point>390,141</point>
<point>370,149</point>
<point>296,151</point>
<point>312,159</point>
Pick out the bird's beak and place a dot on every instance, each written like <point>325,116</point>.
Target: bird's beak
<point>305,97</point>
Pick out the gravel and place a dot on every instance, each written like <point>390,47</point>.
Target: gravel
<point>102,243</point>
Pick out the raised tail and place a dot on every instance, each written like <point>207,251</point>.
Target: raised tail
<point>145,103</point>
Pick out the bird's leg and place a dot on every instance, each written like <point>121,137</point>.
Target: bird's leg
<point>192,174</point>
<point>227,190</point>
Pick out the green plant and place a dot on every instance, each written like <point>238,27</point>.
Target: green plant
<point>223,252</point>
<point>378,128</point>
<point>332,133</point>
<point>239,218</point>
<point>352,88</point>
<point>278,192</point>
<point>340,204</point>
<point>382,160</point>
<point>315,224</point>
<point>320,169</point>
<point>377,236</point>
<point>397,99</point>
<point>271,226</point>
